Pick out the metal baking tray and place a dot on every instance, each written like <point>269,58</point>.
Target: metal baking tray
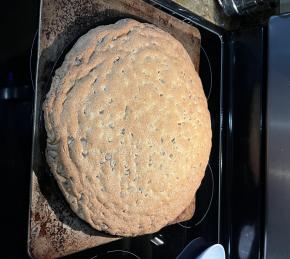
<point>54,230</point>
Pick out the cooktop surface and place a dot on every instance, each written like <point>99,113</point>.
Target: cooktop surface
<point>18,24</point>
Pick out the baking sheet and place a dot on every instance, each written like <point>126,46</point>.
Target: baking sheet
<point>54,230</point>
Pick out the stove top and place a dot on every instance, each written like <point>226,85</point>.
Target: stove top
<point>232,200</point>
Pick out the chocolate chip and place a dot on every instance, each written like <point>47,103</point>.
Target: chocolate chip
<point>85,154</point>
<point>126,112</point>
<point>78,61</point>
<point>108,156</point>
<point>96,81</point>
<point>70,140</point>
<point>116,59</point>
<point>100,41</point>
<point>113,164</point>
<point>84,141</point>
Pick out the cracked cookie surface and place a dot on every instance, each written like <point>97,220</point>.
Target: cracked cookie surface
<point>128,128</point>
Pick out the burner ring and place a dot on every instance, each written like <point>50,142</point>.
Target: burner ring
<point>33,50</point>
<point>194,224</point>
<point>120,254</point>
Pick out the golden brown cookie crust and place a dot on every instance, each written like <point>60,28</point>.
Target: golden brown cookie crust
<point>128,128</point>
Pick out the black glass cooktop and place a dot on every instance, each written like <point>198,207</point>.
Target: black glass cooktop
<point>18,24</point>
<point>234,88</point>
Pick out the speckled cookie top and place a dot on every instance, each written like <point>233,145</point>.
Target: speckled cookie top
<point>128,129</point>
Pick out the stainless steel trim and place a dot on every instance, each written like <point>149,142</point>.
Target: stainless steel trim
<point>277,222</point>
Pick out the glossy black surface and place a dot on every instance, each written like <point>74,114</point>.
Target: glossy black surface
<point>243,179</point>
<point>18,23</point>
<point>277,236</point>
<point>15,155</point>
